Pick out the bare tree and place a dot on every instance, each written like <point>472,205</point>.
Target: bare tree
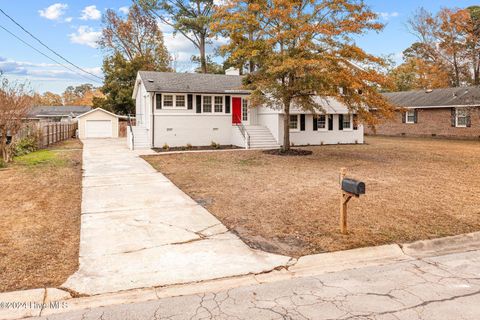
<point>15,101</point>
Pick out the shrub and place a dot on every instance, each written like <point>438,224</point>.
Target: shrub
<point>215,145</point>
<point>25,146</point>
<point>166,147</point>
<point>2,163</point>
<point>189,146</point>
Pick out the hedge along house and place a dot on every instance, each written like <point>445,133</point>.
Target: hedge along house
<point>180,109</point>
<point>449,112</point>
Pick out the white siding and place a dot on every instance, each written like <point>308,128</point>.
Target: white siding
<point>270,118</point>
<point>97,115</point>
<point>237,137</point>
<point>194,129</point>
<point>311,137</point>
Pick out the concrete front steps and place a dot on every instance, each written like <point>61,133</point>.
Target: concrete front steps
<point>261,138</point>
<point>140,137</point>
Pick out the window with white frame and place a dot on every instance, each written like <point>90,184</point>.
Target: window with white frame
<point>207,104</point>
<point>293,123</point>
<point>171,101</point>
<point>180,101</point>
<point>218,104</point>
<point>322,122</point>
<point>347,121</point>
<point>244,109</point>
<point>168,101</point>
<point>410,116</point>
<point>461,117</point>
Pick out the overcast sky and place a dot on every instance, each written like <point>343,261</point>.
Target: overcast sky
<point>72,28</point>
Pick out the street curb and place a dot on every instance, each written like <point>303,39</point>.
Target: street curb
<point>37,302</point>
<point>349,259</point>
<point>29,303</point>
<point>442,246</point>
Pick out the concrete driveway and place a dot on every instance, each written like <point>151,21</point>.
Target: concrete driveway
<point>139,230</point>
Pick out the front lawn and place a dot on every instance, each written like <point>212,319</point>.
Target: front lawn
<point>416,189</point>
<point>40,217</point>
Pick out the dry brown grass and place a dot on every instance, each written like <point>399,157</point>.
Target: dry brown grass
<point>40,217</point>
<point>416,189</point>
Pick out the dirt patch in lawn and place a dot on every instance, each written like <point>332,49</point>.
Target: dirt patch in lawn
<point>40,224</point>
<point>416,189</point>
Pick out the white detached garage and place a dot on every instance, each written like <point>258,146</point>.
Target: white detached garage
<point>97,123</point>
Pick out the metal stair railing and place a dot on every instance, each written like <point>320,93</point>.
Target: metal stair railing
<point>129,121</point>
<point>243,131</point>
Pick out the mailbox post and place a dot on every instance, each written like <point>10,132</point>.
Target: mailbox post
<point>348,188</point>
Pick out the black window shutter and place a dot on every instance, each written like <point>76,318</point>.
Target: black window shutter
<point>330,122</point>
<point>315,123</point>
<point>302,122</point>
<point>404,117</point>
<point>355,122</point>
<point>199,104</point>
<point>227,104</point>
<point>340,122</point>
<point>190,102</point>
<point>452,118</point>
<point>415,116</point>
<point>158,101</point>
<point>469,121</point>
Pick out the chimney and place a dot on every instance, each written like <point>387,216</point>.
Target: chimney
<point>232,72</point>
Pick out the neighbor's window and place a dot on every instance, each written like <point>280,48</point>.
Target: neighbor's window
<point>207,104</point>
<point>218,104</point>
<point>461,117</point>
<point>244,109</point>
<point>168,100</point>
<point>410,116</point>
<point>180,101</point>
<point>294,122</point>
<point>322,121</point>
<point>347,121</point>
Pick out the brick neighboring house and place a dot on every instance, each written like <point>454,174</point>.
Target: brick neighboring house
<point>450,112</point>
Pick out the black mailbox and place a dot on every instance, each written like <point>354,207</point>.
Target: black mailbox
<point>353,186</point>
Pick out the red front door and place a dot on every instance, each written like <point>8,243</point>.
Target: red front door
<point>236,110</point>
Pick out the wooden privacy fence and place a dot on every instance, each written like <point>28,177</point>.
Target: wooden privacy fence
<point>54,132</point>
<point>47,133</point>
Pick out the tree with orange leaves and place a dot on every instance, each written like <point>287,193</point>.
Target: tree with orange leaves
<point>451,39</point>
<point>303,49</point>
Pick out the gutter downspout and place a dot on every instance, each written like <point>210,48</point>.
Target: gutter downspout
<point>153,120</point>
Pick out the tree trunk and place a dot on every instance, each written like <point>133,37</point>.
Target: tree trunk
<point>203,57</point>
<point>286,124</point>
<point>3,146</point>
<point>251,64</point>
<point>476,67</point>
<point>456,70</point>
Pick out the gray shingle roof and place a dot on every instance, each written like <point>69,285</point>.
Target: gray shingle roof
<point>436,98</point>
<point>46,111</point>
<point>190,82</point>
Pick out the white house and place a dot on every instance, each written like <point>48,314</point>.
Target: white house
<point>180,109</point>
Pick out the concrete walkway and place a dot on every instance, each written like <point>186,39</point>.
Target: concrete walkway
<point>139,230</point>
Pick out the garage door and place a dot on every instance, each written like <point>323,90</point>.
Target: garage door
<point>98,129</point>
